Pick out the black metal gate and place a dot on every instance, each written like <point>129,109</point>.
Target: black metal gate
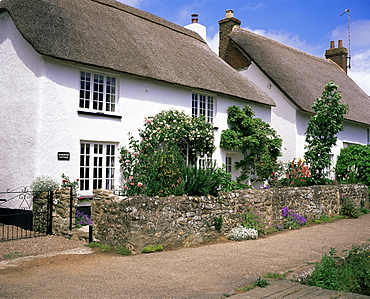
<point>22,221</point>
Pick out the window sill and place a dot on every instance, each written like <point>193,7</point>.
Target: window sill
<point>99,114</point>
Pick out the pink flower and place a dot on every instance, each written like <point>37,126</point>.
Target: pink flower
<point>148,121</point>
<point>132,183</point>
<point>127,161</point>
<point>130,177</point>
<point>125,187</point>
<point>139,184</point>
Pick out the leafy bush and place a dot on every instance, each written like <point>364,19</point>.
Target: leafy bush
<point>349,208</point>
<point>348,274</point>
<point>227,184</point>
<point>44,183</point>
<point>165,174</point>
<point>152,248</point>
<point>258,142</point>
<point>353,165</point>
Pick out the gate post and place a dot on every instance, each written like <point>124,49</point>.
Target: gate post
<point>50,220</point>
<point>70,207</point>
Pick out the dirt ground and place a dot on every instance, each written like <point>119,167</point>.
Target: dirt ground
<point>208,271</point>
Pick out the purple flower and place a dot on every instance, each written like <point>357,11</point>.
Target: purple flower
<point>299,219</point>
<point>285,212</point>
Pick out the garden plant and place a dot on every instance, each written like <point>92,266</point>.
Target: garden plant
<point>322,130</point>
<point>258,142</point>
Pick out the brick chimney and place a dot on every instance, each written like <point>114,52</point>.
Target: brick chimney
<point>227,49</point>
<point>337,55</point>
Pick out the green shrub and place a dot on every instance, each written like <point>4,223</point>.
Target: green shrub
<point>165,174</point>
<point>124,251</point>
<point>152,248</point>
<point>218,222</point>
<point>349,208</point>
<point>326,274</point>
<point>353,165</point>
<point>348,274</point>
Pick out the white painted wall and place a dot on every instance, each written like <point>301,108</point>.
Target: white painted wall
<point>20,75</point>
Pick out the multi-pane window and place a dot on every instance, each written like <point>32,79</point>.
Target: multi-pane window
<point>97,92</point>
<point>228,164</point>
<point>202,105</point>
<point>205,161</point>
<point>97,166</point>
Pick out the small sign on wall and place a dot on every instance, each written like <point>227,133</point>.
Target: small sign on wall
<point>64,156</point>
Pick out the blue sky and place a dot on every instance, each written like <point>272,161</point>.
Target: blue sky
<point>308,25</point>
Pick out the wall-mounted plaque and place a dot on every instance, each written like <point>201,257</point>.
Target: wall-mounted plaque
<point>64,156</point>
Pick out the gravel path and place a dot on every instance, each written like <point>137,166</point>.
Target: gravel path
<point>206,272</point>
<point>36,246</point>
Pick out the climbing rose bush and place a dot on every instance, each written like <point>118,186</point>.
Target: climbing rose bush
<point>169,140</point>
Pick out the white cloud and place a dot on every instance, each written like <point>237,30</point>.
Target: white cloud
<point>284,37</point>
<point>134,3</point>
<point>360,70</point>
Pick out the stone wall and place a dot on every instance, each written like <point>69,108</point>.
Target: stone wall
<point>140,221</point>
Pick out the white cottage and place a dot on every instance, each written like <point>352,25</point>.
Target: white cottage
<point>294,80</point>
<point>77,75</point>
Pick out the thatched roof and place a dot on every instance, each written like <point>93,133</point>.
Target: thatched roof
<point>112,35</point>
<point>301,76</point>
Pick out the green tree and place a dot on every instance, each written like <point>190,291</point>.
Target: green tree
<point>322,130</point>
<point>258,142</point>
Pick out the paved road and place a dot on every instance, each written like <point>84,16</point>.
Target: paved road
<point>208,271</point>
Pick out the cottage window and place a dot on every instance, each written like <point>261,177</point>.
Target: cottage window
<point>97,92</point>
<point>202,105</point>
<point>229,164</point>
<point>97,166</point>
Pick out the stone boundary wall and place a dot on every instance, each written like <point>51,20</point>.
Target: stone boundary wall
<point>61,209</point>
<point>136,222</point>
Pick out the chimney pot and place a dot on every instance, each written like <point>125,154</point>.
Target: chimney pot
<point>340,43</point>
<point>194,18</point>
<point>229,13</point>
<point>332,44</point>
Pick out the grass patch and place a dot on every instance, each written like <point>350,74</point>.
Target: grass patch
<point>12,255</point>
<point>124,251</point>
<point>152,248</point>
<point>275,276</point>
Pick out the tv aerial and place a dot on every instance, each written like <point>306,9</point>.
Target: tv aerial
<point>347,11</point>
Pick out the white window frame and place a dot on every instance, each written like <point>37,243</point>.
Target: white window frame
<point>203,104</point>
<point>97,166</point>
<point>98,92</point>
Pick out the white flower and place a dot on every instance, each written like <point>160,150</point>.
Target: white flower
<point>242,233</point>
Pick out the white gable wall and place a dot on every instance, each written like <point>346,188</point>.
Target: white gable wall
<point>21,74</point>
